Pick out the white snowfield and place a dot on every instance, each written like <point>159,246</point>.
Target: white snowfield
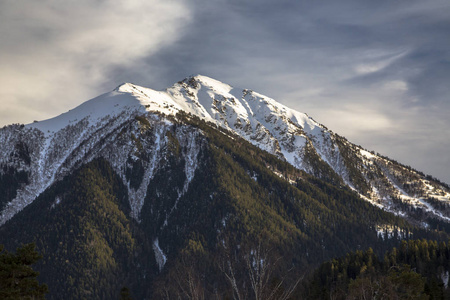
<point>58,145</point>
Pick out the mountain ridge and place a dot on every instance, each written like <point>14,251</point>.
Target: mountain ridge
<point>273,127</point>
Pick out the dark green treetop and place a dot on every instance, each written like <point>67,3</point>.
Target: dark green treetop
<point>17,278</point>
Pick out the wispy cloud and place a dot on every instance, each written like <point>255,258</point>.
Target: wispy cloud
<point>375,63</point>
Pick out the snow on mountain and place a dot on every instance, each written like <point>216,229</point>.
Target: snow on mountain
<point>56,146</point>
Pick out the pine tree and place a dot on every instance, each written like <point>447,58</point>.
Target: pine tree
<point>17,278</point>
<point>125,294</point>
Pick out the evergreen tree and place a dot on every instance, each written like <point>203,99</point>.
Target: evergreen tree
<point>125,294</point>
<point>17,278</point>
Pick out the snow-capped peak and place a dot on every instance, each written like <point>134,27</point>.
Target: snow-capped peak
<point>125,87</point>
<point>213,84</point>
<point>257,118</point>
<point>264,122</point>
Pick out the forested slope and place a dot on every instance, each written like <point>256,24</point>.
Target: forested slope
<point>240,199</point>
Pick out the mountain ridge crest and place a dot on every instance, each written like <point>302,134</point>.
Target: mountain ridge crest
<point>288,134</point>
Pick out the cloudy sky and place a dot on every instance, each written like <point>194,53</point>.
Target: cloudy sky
<point>376,72</point>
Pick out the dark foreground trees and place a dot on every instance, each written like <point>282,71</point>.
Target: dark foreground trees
<point>17,278</point>
<point>418,269</point>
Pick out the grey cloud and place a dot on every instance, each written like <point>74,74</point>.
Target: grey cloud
<point>61,52</point>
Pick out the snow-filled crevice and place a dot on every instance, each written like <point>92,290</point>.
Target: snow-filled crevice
<point>137,197</point>
<point>445,277</point>
<point>160,257</point>
<point>191,145</point>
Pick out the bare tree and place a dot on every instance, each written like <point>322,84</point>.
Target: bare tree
<point>183,281</point>
<point>260,267</point>
<point>188,279</point>
<point>228,268</point>
<point>255,269</point>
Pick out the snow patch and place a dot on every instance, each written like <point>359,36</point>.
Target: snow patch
<point>367,154</point>
<point>388,232</point>
<point>160,257</point>
<point>57,201</point>
<point>444,277</point>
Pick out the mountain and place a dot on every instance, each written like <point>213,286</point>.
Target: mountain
<point>135,185</point>
<point>38,154</point>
